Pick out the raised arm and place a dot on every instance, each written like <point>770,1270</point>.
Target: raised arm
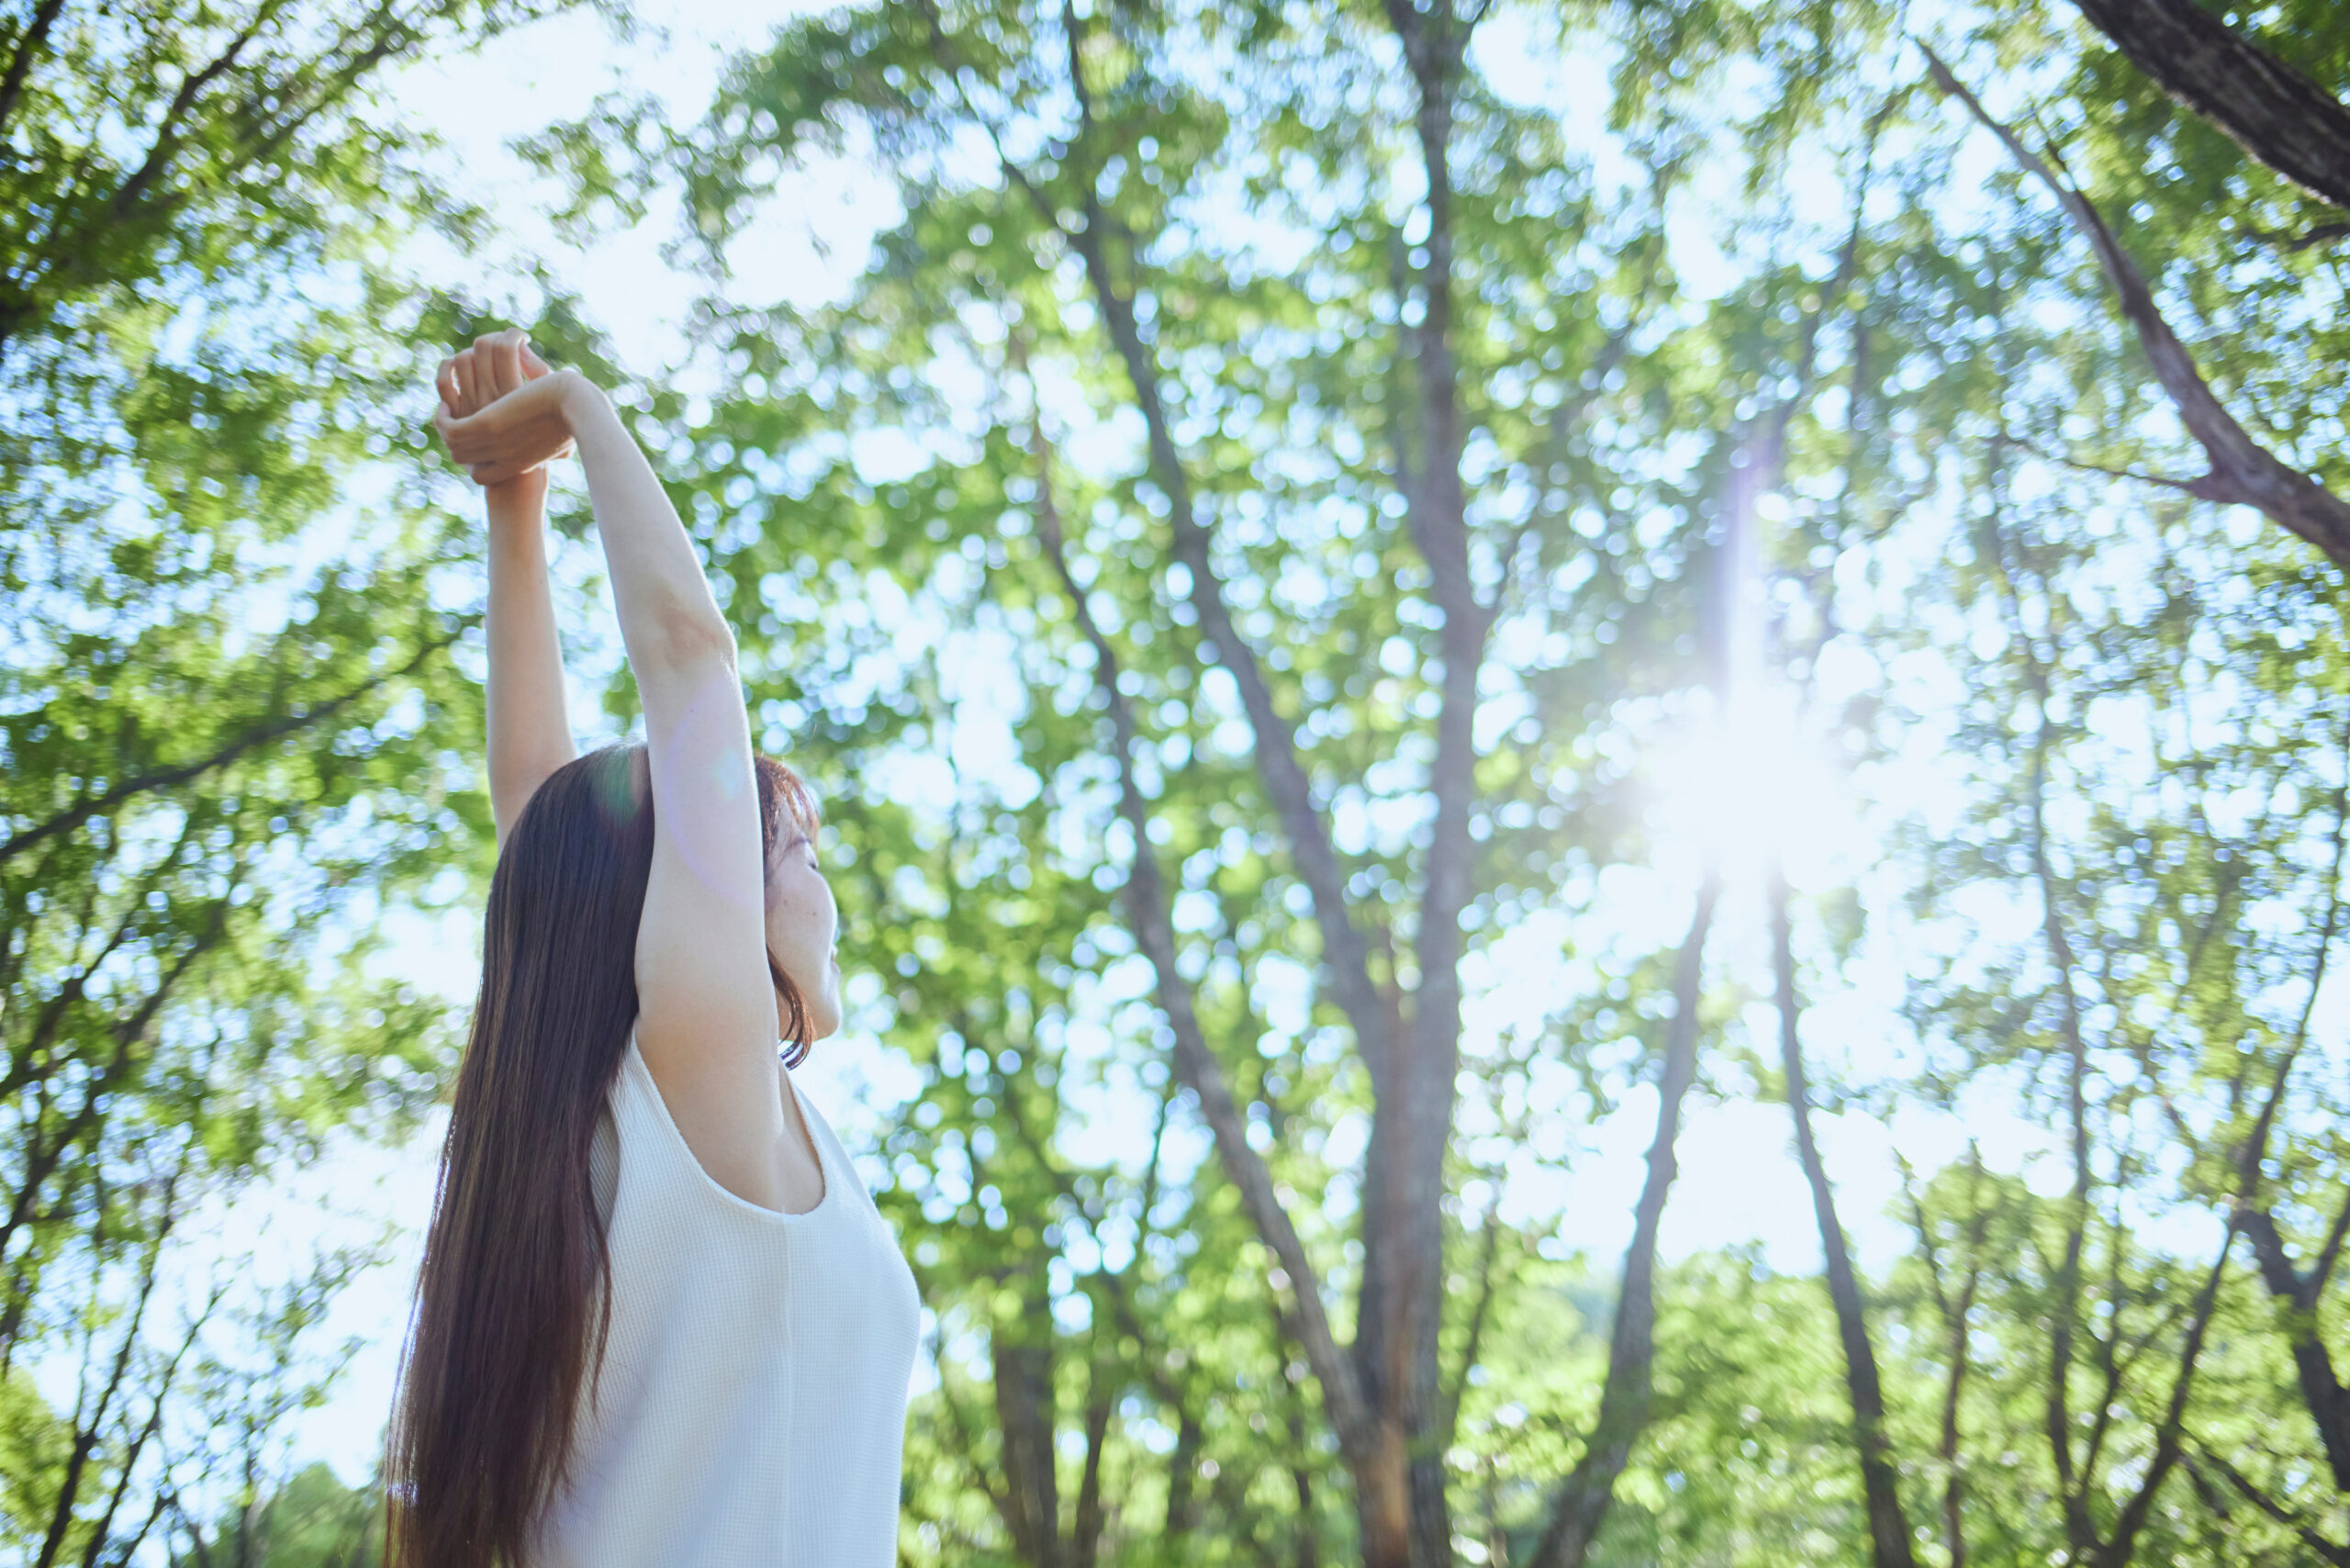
<point>529,725</point>
<point>707,1013</point>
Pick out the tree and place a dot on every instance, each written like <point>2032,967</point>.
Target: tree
<point>1250,531</point>
<point>2275,113</point>
<point>231,726</point>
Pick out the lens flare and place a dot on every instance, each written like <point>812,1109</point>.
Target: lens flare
<point>1749,786</point>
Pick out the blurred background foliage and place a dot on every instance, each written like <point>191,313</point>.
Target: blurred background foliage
<point>1359,607</point>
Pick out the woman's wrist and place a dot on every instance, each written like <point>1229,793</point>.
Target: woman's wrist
<point>520,504</point>
<point>586,410</point>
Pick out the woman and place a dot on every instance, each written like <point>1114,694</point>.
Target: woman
<point>659,1320</point>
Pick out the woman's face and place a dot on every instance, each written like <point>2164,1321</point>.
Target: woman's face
<point>802,926</point>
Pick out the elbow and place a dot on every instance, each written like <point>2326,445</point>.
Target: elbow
<point>682,639</point>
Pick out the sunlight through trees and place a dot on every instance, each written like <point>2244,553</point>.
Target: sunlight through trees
<point>1396,611</point>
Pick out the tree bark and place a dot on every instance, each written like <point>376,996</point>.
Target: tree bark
<point>2321,1390</point>
<point>1085,1533</point>
<point>90,1431</point>
<point>2266,107</point>
<point>1402,1291</point>
<point>1954,1312</point>
<point>2326,1551</point>
<point>1373,1452</point>
<point>1582,1504</point>
<point>2296,1295</point>
<point>2243,471</point>
<point>1308,1543</point>
<point>1183,1475</point>
<point>1889,1538</point>
<point>1022,1378</point>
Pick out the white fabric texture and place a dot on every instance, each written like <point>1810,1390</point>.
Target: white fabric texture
<point>753,1404</point>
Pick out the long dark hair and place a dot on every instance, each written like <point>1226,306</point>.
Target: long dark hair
<point>514,1297</point>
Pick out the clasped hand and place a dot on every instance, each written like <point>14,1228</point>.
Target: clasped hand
<point>502,410</point>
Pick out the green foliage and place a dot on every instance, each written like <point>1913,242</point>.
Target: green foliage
<point>1144,260</point>
<point>2122,882</point>
<point>232,730</point>
<point>312,1521</point>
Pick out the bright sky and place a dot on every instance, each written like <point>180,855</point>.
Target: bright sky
<point>1739,1182</point>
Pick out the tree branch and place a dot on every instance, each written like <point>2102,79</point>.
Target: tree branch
<point>20,59</point>
<point>2265,107</point>
<point>97,1087</point>
<point>1489,1245</point>
<point>2057,1423</point>
<point>88,1433</point>
<point>1581,1506</point>
<point>2296,1305</point>
<point>1889,1540</point>
<point>2326,1550</point>
<point>256,735</point>
<point>2244,472</point>
<point>2117,1552</point>
<point>1343,948</point>
<point>1403,1285</point>
<point>1147,909</point>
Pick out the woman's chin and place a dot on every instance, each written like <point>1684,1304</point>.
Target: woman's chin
<point>823,1022</point>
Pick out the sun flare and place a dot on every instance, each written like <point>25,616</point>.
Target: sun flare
<point>1749,786</point>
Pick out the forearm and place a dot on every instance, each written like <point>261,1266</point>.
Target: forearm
<point>669,622</point>
<point>530,726</point>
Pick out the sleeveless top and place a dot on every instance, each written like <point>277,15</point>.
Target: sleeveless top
<point>752,1407</point>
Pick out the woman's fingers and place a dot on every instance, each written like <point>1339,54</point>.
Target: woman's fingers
<point>502,357</point>
<point>521,431</point>
<point>451,435</point>
<point>471,379</point>
<point>467,440</point>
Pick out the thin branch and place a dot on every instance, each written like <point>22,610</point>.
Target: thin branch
<point>2256,1146</point>
<point>2080,1529</point>
<point>258,734</point>
<point>1489,1245</point>
<point>2323,234</point>
<point>127,196</point>
<point>2203,1454</point>
<point>2167,481</point>
<point>1581,1506</point>
<point>1314,855</point>
<point>958,1417</point>
<point>2243,471</point>
<point>2329,1253</point>
<point>1890,1537</point>
<point>2117,1551</point>
<point>20,61</point>
<point>1147,909</point>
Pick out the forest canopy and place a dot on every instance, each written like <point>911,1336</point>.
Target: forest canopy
<point>1396,609</point>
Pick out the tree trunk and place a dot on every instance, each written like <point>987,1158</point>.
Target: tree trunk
<point>1023,1403</point>
<point>2266,107</point>
<point>1085,1536</point>
<point>1889,1539</point>
<point>1960,1350</point>
<point>1182,1474</point>
<point>1308,1553</point>
<point>1584,1500</point>
<point>2321,1390</point>
<point>2243,471</point>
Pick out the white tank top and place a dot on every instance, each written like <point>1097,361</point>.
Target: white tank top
<point>753,1406</point>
